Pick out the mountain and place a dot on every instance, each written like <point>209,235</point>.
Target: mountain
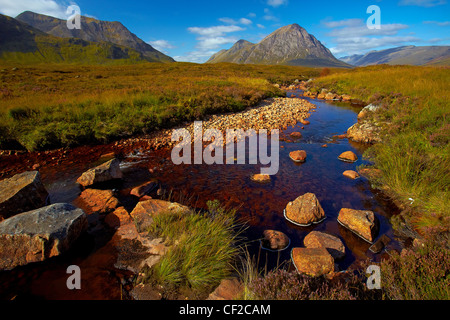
<point>410,55</point>
<point>289,45</point>
<point>21,43</point>
<point>94,31</point>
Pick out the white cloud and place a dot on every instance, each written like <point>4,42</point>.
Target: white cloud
<point>251,15</point>
<point>438,23</point>
<point>52,8</point>
<point>269,16</point>
<point>209,39</point>
<point>276,3</point>
<point>422,3</point>
<point>161,45</point>
<point>260,26</point>
<point>352,36</point>
<point>243,21</point>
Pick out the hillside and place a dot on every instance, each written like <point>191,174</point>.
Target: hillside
<point>408,55</point>
<point>289,45</point>
<point>94,31</point>
<point>21,43</point>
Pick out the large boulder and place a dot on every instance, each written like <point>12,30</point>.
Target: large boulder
<point>365,131</point>
<point>305,210</point>
<point>368,110</point>
<point>313,262</point>
<point>23,192</point>
<point>39,234</point>
<point>363,223</point>
<point>334,245</point>
<point>107,171</point>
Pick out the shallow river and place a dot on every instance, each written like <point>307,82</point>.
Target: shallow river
<point>260,205</point>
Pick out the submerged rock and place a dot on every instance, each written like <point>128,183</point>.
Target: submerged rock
<point>361,222</point>
<point>261,178</point>
<point>107,171</point>
<point>313,262</point>
<point>334,245</point>
<point>305,210</point>
<point>39,234</point>
<point>275,240</point>
<point>144,189</point>
<point>23,192</point>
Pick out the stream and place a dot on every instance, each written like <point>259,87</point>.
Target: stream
<point>259,205</point>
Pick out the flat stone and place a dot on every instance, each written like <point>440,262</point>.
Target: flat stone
<point>97,201</point>
<point>39,234</point>
<point>305,210</point>
<point>107,171</point>
<point>361,222</point>
<point>21,193</point>
<point>334,245</point>
<point>313,262</point>
<point>296,135</point>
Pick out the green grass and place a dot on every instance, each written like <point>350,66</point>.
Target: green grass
<point>415,155</point>
<point>53,106</point>
<point>203,248</point>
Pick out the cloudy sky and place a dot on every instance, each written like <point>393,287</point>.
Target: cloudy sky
<point>193,30</point>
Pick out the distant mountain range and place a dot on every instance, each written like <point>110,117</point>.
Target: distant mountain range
<point>289,45</point>
<point>35,38</point>
<point>409,55</point>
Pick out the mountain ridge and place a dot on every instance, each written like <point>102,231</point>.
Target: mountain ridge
<point>288,45</point>
<point>94,30</point>
<point>408,55</point>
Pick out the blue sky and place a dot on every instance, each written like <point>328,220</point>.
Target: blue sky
<point>194,30</point>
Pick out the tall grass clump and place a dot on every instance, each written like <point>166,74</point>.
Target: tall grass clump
<point>203,247</point>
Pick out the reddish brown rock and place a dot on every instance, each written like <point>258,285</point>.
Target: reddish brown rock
<point>275,240</point>
<point>229,289</point>
<point>261,178</point>
<point>334,245</point>
<point>298,156</point>
<point>107,171</point>
<point>144,189</point>
<point>39,234</point>
<point>296,135</point>
<point>23,192</point>
<point>351,174</point>
<point>304,122</point>
<point>144,211</point>
<point>348,156</point>
<point>313,262</point>
<point>305,210</point>
<point>361,222</point>
<point>97,201</point>
<point>118,218</point>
